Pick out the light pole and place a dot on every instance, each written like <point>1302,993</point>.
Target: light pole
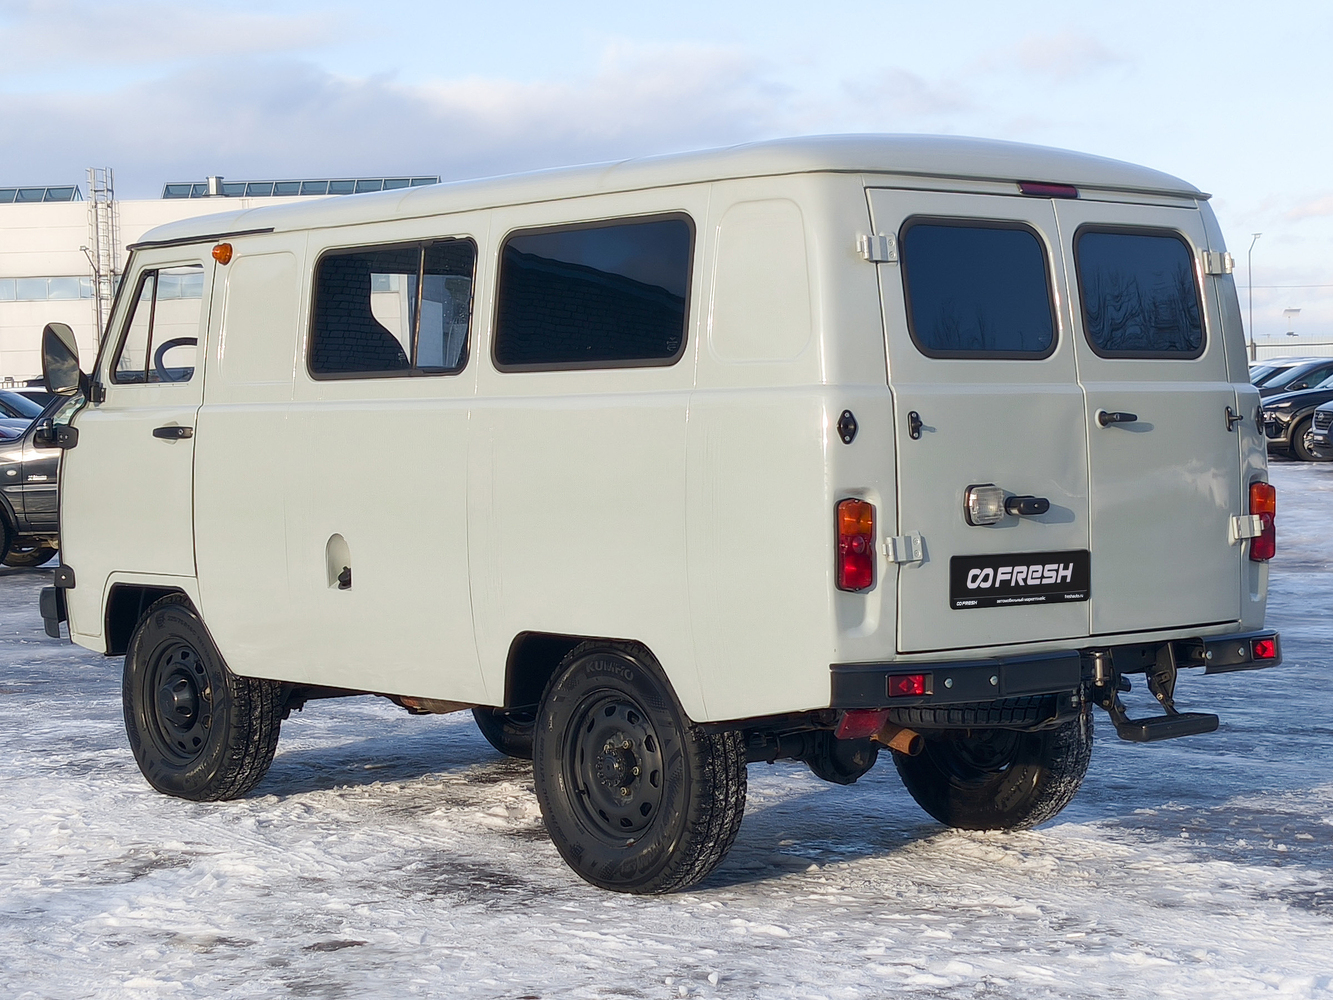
<point>1249,284</point>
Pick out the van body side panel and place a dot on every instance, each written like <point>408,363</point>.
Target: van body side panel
<point>244,456</point>
<point>1014,423</point>
<point>766,466</point>
<point>1164,487</point>
<point>127,494</point>
<point>576,479</point>
<point>380,489</point>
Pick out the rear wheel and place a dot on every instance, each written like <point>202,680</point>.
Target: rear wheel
<point>999,779</point>
<point>197,730</point>
<point>508,732</point>
<point>635,797</point>
<point>23,556</point>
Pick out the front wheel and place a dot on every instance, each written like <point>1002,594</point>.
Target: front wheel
<point>999,779</point>
<point>197,730</point>
<point>1302,442</point>
<point>636,798</point>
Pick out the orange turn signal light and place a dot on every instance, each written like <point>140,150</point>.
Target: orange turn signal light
<point>222,253</point>
<point>1263,498</point>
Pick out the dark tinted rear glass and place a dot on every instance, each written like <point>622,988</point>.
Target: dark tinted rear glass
<point>609,295</point>
<point>977,290</point>
<point>392,310</point>
<point>1140,299</point>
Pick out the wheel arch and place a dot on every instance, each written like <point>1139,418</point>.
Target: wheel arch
<point>125,605</point>
<point>532,660</point>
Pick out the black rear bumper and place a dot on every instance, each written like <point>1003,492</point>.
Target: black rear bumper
<point>957,682</point>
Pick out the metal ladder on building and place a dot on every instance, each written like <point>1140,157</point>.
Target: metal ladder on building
<point>104,241</point>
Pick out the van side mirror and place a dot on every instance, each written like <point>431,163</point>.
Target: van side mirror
<point>60,361</point>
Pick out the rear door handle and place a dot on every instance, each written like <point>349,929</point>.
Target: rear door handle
<point>1107,418</point>
<point>1026,506</point>
<point>173,433</point>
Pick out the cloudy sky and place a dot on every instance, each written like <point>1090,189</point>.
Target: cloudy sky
<point>1234,97</point>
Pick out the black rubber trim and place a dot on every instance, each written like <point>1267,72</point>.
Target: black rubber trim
<point>957,682</point>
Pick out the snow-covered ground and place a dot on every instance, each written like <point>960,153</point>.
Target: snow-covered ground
<point>386,855</point>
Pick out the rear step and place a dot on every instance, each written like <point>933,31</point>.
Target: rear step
<point>1162,683</point>
<point>1165,727</point>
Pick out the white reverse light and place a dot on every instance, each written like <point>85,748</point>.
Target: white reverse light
<point>983,504</point>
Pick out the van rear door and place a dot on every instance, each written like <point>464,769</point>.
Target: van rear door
<point>985,391</point>
<point>1164,457</point>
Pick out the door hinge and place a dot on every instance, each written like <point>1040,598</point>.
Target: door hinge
<point>1218,262</point>
<point>878,249</point>
<point>1245,526</point>
<point>907,548</point>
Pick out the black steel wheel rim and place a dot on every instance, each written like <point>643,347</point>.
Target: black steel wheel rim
<point>178,702</point>
<point>613,767</point>
<point>975,759</point>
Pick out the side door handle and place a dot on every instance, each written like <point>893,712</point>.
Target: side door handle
<point>172,432</point>
<point>1107,418</point>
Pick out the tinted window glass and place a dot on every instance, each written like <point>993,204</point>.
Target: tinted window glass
<point>158,344</point>
<point>977,290</point>
<point>598,296</point>
<point>1139,295</point>
<point>14,405</point>
<point>1267,376</point>
<point>393,311</point>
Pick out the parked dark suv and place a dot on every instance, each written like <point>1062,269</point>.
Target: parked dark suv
<point>1290,374</point>
<point>1289,423</point>
<point>29,531</point>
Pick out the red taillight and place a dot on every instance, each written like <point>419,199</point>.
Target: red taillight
<point>856,545</point>
<point>908,685</point>
<point>1263,501</point>
<point>1263,649</point>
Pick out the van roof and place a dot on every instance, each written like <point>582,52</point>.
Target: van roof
<point>950,157</point>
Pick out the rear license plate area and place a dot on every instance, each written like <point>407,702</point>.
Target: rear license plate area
<point>1019,579</point>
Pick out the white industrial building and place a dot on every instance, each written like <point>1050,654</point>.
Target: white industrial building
<point>61,254</point>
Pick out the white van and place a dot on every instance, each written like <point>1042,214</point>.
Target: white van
<point>785,451</point>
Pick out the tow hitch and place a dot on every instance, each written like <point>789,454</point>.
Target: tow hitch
<point>1108,683</point>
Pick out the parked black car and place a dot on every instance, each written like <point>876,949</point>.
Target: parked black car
<point>1323,430</point>
<point>1290,375</point>
<point>29,530</point>
<point>1289,420</point>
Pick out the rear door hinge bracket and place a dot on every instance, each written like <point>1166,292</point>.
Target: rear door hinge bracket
<point>1218,262</point>
<point>907,548</point>
<point>1245,526</point>
<point>878,249</point>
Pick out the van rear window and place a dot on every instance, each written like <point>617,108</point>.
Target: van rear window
<point>393,310</point>
<point>608,295</point>
<point>1140,299</point>
<point>976,289</point>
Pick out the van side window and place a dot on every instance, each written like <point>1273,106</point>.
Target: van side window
<point>1140,299</point>
<point>158,344</point>
<point>608,295</point>
<point>977,289</point>
<point>393,310</point>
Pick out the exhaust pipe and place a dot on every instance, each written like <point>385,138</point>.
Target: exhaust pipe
<point>905,741</point>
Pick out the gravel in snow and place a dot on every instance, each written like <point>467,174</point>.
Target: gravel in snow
<point>388,855</point>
